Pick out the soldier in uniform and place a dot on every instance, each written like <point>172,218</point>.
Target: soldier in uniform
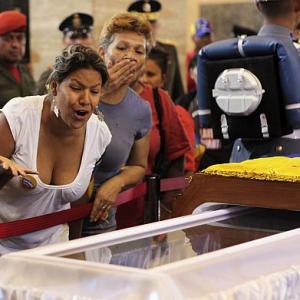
<point>15,80</point>
<point>280,19</point>
<point>76,29</point>
<point>151,9</point>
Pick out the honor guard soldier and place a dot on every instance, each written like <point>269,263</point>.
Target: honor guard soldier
<point>151,9</point>
<point>15,80</point>
<point>77,29</point>
<point>280,20</point>
<point>274,18</point>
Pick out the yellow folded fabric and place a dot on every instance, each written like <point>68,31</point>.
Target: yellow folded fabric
<point>271,168</point>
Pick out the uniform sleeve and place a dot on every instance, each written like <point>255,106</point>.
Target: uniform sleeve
<point>145,120</point>
<point>175,138</point>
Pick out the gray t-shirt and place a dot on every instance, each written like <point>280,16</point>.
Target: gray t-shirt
<point>128,121</point>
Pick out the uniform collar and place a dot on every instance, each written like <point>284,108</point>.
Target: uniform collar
<point>272,29</point>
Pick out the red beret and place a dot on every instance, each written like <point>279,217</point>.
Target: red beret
<point>12,20</point>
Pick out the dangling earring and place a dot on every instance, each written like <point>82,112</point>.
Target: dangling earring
<point>55,108</point>
<point>99,114</point>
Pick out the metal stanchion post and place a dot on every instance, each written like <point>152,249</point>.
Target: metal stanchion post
<point>151,207</point>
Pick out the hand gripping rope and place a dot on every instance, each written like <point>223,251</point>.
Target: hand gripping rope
<point>19,227</point>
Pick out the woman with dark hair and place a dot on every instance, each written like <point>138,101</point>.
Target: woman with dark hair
<point>155,68</point>
<point>154,75</point>
<point>50,144</point>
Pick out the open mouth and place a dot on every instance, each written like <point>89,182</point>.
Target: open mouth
<point>81,113</point>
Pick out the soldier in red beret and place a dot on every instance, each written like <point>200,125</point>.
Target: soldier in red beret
<point>15,80</point>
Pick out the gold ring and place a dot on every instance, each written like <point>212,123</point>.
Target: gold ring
<point>106,206</point>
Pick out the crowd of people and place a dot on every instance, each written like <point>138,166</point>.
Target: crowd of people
<point>103,116</point>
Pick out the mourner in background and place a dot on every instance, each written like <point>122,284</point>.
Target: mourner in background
<point>15,79</point>
<point>154,75</point>
<point>76,29</point>
<point>151,8</point>
<point>201,36</point>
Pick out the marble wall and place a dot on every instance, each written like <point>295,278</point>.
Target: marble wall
<point>175,22</point>
<point>242,14</point>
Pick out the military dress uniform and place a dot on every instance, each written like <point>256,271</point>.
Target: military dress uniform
<point>173,82</point>
<point>10,87</point>
<point>282,146</point>
<point>15,79</point>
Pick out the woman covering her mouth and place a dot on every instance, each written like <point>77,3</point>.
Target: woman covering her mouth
<point>124,41</point>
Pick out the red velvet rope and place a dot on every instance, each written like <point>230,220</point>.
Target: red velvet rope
<point>19,227</point>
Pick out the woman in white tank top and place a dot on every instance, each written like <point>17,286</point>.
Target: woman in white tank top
<point>49,146</point>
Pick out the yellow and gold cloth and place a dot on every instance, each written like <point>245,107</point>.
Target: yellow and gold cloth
<point>271,168</point>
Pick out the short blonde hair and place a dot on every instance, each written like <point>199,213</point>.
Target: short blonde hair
<point>127,21</point>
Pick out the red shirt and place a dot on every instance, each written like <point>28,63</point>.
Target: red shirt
<point>176,140</point>
<point>191,85</point>
<point>189,126</point>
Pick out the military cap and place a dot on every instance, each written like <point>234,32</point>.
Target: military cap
<point>239,30</point>
<point>150,8</point>
<point>12,20</point>
<point>77,22</point>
